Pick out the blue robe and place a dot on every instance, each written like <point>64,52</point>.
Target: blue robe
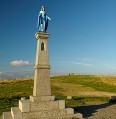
<point>42,24</point>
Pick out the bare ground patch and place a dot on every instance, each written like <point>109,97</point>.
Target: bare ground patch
<point>79,90</point>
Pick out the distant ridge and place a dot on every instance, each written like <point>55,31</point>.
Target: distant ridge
<point>15,75</point>
<point>26,74</point>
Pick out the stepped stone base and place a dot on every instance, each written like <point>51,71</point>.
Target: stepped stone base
<point>44,107</point>
<point>7,115</point>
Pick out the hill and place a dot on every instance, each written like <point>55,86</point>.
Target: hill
<point>85,89</point>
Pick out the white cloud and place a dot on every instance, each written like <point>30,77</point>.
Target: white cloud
<point>84,64</point>
<point>20,63</point>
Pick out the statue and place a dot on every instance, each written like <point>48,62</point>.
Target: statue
<point>43,19</point>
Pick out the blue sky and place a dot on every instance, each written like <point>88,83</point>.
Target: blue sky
<point>83,35</point>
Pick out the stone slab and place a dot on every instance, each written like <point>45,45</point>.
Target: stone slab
<point>41,106</point>
<point>69,97</point>
<point>74,116</point>
<point>24,105</point>
<point>47,105</point>
<point>61,104</point>
<point>42,98</point>
<point>7,115</point>
<point>70,111</point>
<point>47,114</point>
<point>16,113</point>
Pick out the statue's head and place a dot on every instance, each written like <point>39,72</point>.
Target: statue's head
<point>43,8</point>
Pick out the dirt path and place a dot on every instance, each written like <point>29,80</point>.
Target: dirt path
<point>100,111</point>
<point>79,90</point>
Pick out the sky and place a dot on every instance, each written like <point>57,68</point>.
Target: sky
<point>82,35</point>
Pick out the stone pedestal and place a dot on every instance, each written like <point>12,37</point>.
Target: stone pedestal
<point>41,104</point>
<point>42,85</point>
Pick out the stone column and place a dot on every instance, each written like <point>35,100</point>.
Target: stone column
<point>42,68</point>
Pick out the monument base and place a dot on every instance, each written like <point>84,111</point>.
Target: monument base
<point>44,107</point>
<point>41,107</point>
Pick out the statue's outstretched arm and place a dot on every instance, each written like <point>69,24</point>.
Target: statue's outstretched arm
<point>48,18</point>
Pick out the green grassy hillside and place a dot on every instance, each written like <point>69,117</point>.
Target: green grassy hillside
<point>85,89</point>
<point>98,83</point>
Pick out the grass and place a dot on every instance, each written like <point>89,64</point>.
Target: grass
<point>12,90</point>
<point>15,88</point>
<point>7,103</point>
<point>94,82</point>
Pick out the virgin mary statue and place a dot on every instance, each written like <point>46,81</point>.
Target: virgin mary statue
<point>43,19</point>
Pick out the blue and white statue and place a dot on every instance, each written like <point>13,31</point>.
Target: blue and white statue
<point>43,19</point>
